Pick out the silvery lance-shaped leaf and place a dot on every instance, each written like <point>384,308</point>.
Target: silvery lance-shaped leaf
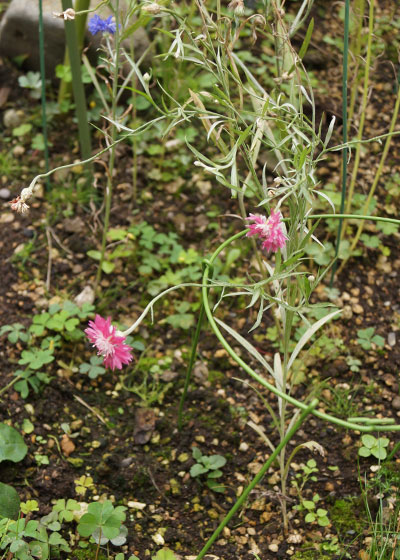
<point>246,344</point>
<point>12,445</point>
<point>308,334</point>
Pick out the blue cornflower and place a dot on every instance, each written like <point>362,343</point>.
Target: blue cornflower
<point>98,25</point>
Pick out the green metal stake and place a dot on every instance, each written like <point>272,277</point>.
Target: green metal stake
<point>345,149</point>
<point>258,477</point>
<point>77,85</point>
<point>43,91</point>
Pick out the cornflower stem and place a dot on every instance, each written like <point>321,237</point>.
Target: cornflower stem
<point>377,176</point>
<point>355,48</point>
<point>192,358</point>
<point>113,135</point>
<point>362,425</point>
<point>354,217</point>
<point>345,149</point>
<point>284,442</point>
<point>134,141</point>
<point>362,113</point>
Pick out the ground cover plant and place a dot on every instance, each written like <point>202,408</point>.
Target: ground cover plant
<point>244,398</point>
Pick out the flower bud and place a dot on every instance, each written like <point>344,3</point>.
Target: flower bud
<point>68,14</point>
<point>152,9</point>
<point>237,6</point>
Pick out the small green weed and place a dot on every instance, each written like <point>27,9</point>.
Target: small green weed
<point>373,446</point>
<point>314,514</point>
<point>366,338</point>
<point>209,465</point>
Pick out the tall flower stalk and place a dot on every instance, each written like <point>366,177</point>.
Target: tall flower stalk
<point>114,54</point>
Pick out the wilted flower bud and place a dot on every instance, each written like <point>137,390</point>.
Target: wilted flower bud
<point>25,194</point>
<point>237,6</point>
<point>19,205</point>
<point>67,14</point>
<point>152,9</point>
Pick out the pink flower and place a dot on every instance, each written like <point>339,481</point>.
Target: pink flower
<point>269,229</point>
<point>105,337</point>
<point>18,205</point>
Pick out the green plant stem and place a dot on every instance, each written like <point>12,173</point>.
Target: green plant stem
<point>358,9</point>
<point>77,85</point>
<point>284,442</point>
<point>363,108</point>
<point>377,176</point>
<point>190,365</point>
<point>345,149</point>
<point>80,26</point>
<point>134,140</point>
<point>113,135</point>
<point>362,427</point>
<point>43,89</point>
<point>354,217</point>
<point>4,389</point>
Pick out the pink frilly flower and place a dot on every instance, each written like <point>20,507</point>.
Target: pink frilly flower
<point>270,230</point>
<point>19,205</point>
<point>109,342</point>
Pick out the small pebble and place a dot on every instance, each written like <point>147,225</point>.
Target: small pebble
<point>243,446</point>
<point>5,194</point>
<point>158,539</point>
<point>392,339</point>
<point>357,308</point>
<point>347,312</point>
<point>18,151</point>
<point>396,403</point>
<point>6,218</point>
<point>273,547</point>
<point>13,118</point>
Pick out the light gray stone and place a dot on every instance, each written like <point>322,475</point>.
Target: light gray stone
<point>13,118</point>
<point>19,34</point>
<point>5,193</point>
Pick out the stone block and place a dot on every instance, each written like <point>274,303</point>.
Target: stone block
<point>19,34</point>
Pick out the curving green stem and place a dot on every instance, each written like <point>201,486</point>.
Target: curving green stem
<point>308,410</point>
<point>362,427</point>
